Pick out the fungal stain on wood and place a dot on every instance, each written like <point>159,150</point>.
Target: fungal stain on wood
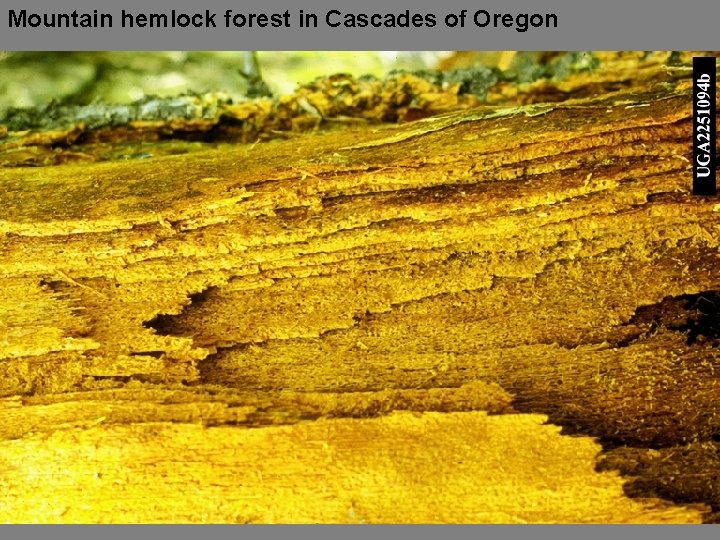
<point>315,328</point>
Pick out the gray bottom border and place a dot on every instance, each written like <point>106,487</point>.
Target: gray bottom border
<point>320,532</point>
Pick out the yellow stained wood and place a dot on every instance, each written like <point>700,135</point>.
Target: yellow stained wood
<point>402,468</point>
<point>274,290</point>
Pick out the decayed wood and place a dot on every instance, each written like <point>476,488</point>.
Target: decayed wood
<point>430,468</point>
<point>548,255</point>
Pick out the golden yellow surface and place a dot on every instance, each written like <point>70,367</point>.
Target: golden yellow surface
<point>402,468</point>
<point>314,329</point>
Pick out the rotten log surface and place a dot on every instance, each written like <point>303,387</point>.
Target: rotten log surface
<point>547,260</point>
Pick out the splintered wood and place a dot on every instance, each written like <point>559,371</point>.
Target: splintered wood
<point>314,329</point>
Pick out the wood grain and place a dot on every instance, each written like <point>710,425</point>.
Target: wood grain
<point>216,336</point>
